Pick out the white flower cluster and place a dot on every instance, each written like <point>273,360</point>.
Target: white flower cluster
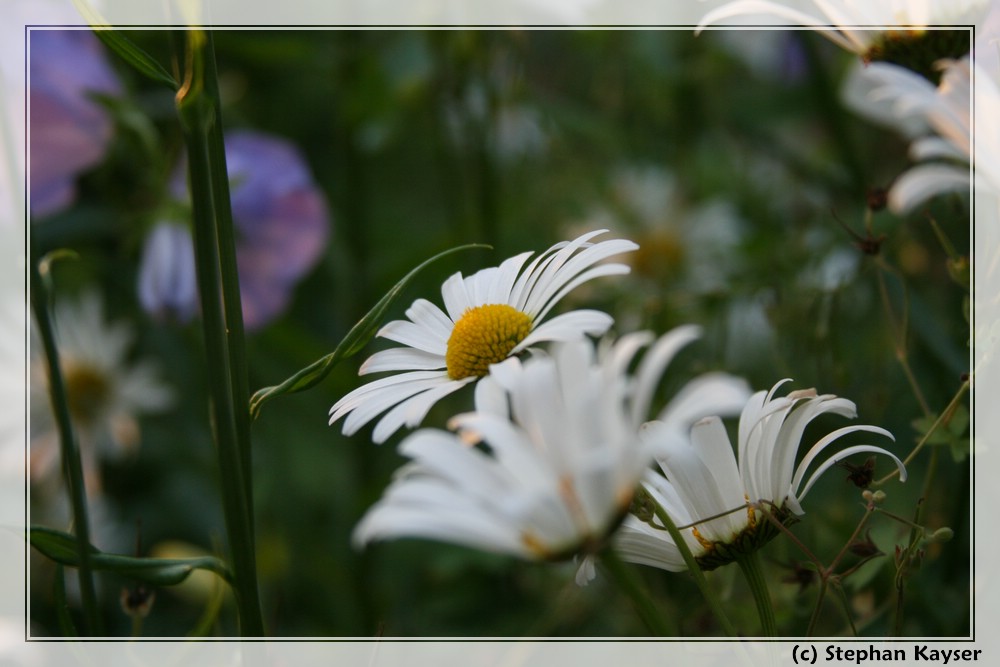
<point>560,450</point>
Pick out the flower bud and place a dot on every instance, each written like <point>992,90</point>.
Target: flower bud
<point>941,535</point>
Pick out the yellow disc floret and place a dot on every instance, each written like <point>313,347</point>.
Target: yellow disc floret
<point>482,336</point>
<point>88,390</point>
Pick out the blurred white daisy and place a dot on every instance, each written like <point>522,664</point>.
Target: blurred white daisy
<point>716,497</point>
<point>105,391</point>
<point>945,149</point>
<point>489,316</point>
<point>886,30</point>
<point>548,464</point>
<point>690,248</point>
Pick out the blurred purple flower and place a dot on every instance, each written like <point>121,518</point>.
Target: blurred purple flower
<point>70,130</point>
<point>282,226</point>
<point>167,286</point>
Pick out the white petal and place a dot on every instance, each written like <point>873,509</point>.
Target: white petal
<point>463,525</point>
<point>366,408</point>
<point>568,326</point>
<point>456,298</point>
<point>639,543</point>
<point>511,447</point>
<point>356,396</point>
<point>848,451</point>
<point>586,572</point>
<point>825,442</point>
<point>710,394</point>
<point>427,315</point>
<point>711,443</point>
<point>560,278</point>
<point>479,284</point>
<point>697,489</point>
<point>401,359</point>
<point>922,182</point>
<point>786,445</point>
<point>757,7</point>
<point>596,272</point>
<point>931,148</point>
<point>412,410</point>
<point>549,268</point>
<point>491,398</point>
<point>522,286</point>
<point>505,278</point>
<point>653,364</point>
<point>414,335</point>
<point>444,455</point>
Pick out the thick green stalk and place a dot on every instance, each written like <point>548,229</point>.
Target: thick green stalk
<point>72,465</point>
<point>626,580</point>
<point>750,565</point>
<point>695,570</point>
<point>231,301</point>
<point>197,105</point>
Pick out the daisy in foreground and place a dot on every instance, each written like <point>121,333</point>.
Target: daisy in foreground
<point>489,316</point>
<point>719,503</point>
<point>547,466</point>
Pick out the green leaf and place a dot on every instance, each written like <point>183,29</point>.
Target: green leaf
<point>356,338</point>
<point>61,548</point>
<point>959,420</point>
<point>124,47</point>
<point>923,425</point>
<point>951,432</point>
<point>135,56</point>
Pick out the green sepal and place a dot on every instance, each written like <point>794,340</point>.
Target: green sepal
<point>748,541</point>
<point>61,548</point>
<point>356,338</point>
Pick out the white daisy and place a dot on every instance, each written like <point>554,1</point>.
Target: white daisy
<point>104,391</point>
<point>489,316</point>
<point>945,149</point>
<point>559,454</point>
<point>866,28</point>
<point>715,496</point>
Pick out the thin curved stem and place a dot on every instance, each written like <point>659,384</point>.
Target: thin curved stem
<point>695,570</point>
<point>943,418</point>
<point>72,465</point>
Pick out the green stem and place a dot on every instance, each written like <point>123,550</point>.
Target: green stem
<point>846,607</point>
<point>811,629</point>
<point>626,580</point>
<point>231,301</point>
<point>197,104</point>
<point>750,565</point>
<point>899,332</point>
<point>694,569</point>
<point>943,418</point>
<point>72,464</point>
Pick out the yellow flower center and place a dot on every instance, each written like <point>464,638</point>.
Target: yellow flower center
<point>482,336</point>
<point>87,391</point>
